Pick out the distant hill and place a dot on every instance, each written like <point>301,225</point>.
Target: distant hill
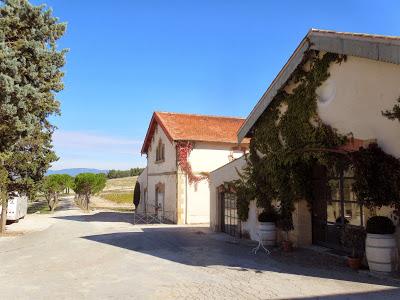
<point>75,171</point>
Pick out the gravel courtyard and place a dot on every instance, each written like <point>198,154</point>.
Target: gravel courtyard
<point>103,255</point>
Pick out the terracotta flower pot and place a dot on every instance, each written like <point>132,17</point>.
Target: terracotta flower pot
<point>287,246</point>
<point>354,262</point>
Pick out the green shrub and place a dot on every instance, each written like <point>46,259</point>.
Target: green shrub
<point>376,177</point>
<point>380,225</point>
<point>266,216</point>
<point>124,173</point>
<point>354,239</point>
<point>86,185</point>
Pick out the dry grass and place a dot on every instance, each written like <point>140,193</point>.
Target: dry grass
<point>120,184</point>
<point>120,198</point>
<point>119,190</point>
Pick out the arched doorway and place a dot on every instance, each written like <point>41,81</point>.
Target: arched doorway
<point>160,200</point>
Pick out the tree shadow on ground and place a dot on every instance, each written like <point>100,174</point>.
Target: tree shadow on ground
<point>381,294</point>
<point>41,206</point>
<point>65,204</point>
<point>197,246</point>
<point>104,216</point>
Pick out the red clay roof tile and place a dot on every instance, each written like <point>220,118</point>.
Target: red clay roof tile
<point>354,144</point>
<point>191,127</point>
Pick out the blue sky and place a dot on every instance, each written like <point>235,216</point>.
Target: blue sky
<point>129,58</point>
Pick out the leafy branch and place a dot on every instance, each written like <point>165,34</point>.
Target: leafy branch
<point>394,113</point>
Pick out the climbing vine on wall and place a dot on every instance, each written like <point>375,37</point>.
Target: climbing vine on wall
<point>279,166</point>
<point>394,113</point>
<point>183,149</point>
<point>376,177</point>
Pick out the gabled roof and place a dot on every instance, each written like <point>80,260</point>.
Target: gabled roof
<point>190,127</point>
<point>376,47</point>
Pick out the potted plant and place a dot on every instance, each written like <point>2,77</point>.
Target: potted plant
<point>267,227</point>
<point>287,245</point>
<point>354,239</point>
<point>380,245</point>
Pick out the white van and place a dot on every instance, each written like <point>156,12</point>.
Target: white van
<point>17,208</point>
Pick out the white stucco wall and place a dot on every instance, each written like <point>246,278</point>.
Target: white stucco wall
<point>162,173</point>
<point>359,90</point>
<point>301,236</point>
<point>198,202</point>
<point>223,174</point>
<point>186,202</point>
<point>169,203</point>
<point>169,165</point>
<point>217,178</point>
<point>205,157</point>
<point>251,225</point>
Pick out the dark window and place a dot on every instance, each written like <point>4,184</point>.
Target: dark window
<point>334,206</point>
<point>160,151</point>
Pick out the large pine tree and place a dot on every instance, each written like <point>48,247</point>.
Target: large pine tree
<point>30,76</point>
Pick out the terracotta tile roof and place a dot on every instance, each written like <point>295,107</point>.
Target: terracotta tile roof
<point>354,144</point>
<point>191,127</point>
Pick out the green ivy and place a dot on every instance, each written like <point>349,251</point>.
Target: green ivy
<point>281,158</point>
<point>376,177</point>
<point>393,114</point>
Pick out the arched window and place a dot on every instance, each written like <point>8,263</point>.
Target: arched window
<point>160,152</point>
<point>159,196</point>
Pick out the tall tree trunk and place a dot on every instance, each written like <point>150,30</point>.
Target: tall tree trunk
<point>48,199</point>
<point>52,201</point>
<point>4,205</point>
<point>3,196</point>
<point>80,201</point>
<point>87,197</point>
<point>55,202</point>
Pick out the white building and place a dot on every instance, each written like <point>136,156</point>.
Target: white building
<point>351,100</point>
<point>181,150</point>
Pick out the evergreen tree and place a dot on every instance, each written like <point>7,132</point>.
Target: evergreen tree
<point>52,187</point>
<point>30,75</point>
<point>87,185</point>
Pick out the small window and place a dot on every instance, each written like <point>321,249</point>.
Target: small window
<point>160,152</point>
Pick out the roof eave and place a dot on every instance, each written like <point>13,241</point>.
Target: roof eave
<point>273,89</point>
<point>233,142</point>
<point>155,119</point>
<point>148,133</point>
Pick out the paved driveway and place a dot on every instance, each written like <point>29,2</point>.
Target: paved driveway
<point>102,255</point>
